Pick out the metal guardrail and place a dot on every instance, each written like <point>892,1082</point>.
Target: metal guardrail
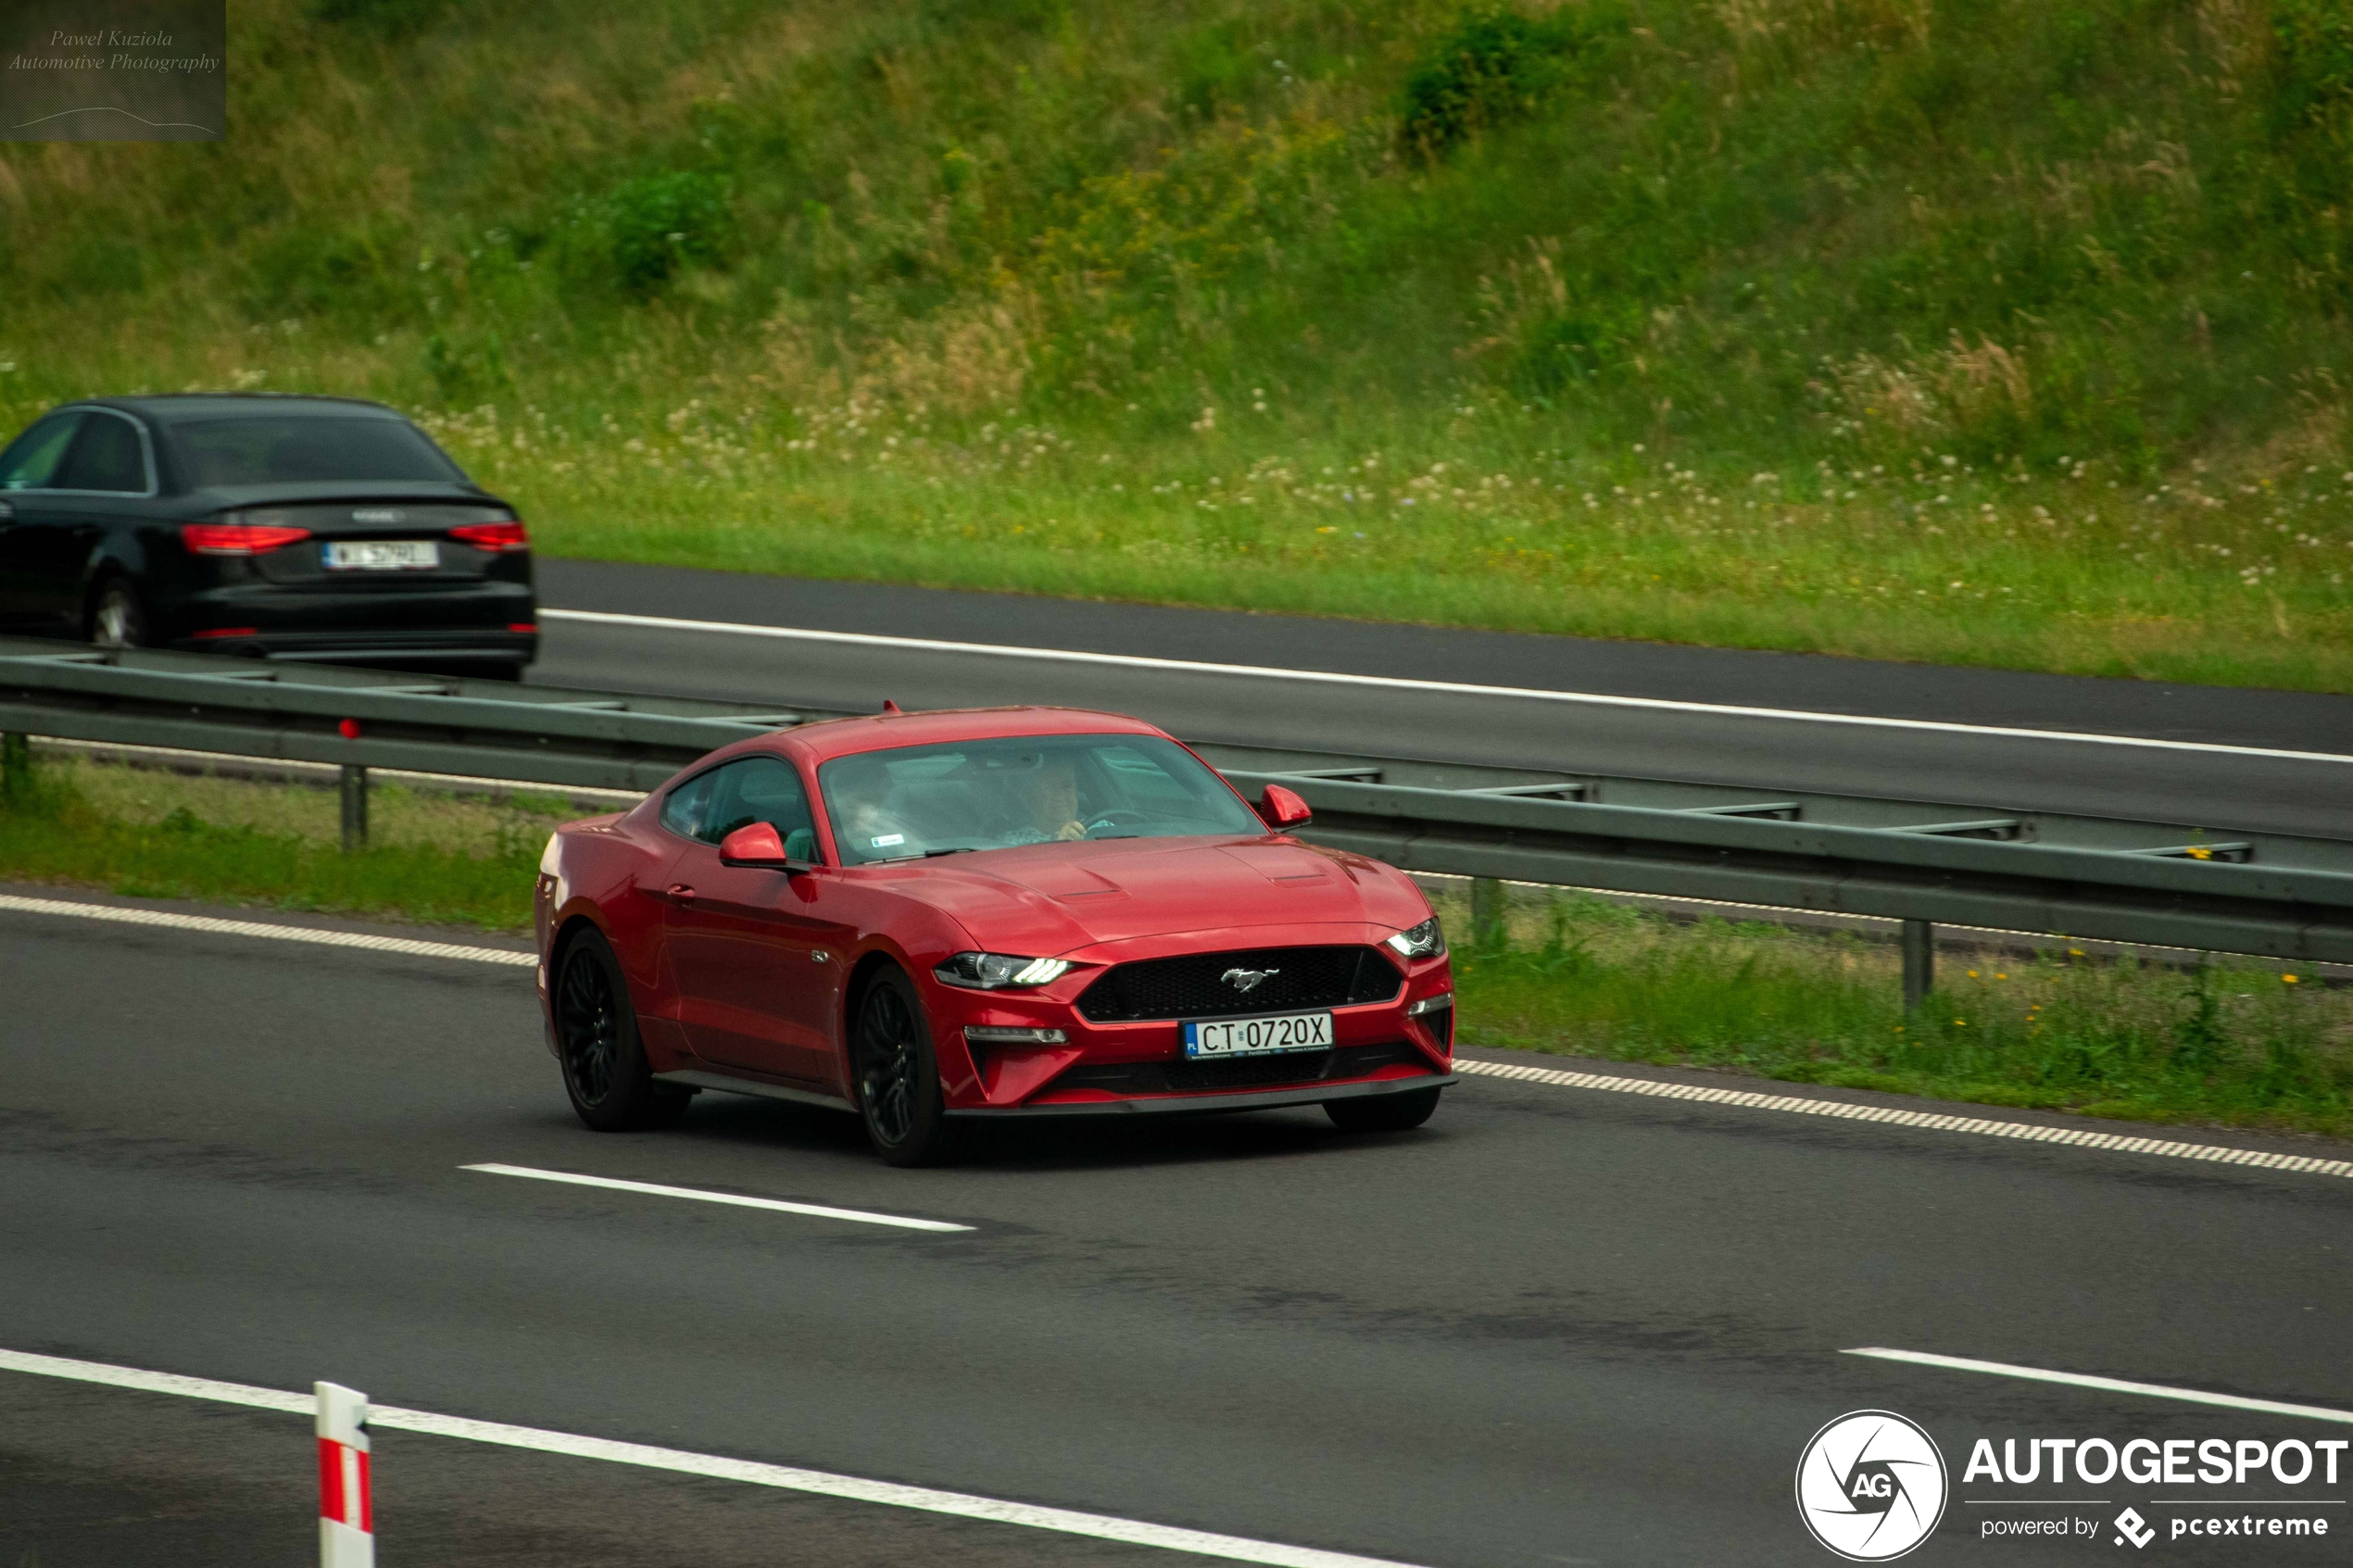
<point>368,718</point>
<point>1921,862</point>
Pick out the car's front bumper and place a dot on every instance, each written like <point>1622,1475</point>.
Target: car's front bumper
<point>1225,1100</point>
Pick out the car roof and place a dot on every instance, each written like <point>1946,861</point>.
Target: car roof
<point>174,408</point>
<point>887,731</point>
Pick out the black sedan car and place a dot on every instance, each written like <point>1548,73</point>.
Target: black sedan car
<point>311,528</point>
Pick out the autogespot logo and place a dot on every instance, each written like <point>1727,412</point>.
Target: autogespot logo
<point>1870,1486</point>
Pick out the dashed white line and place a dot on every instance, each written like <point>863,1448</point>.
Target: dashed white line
<point>1400,683</point>
<point>171,920</point>
<point>926,1499</point>
<point>656,1189</point>
<point>1888,1115</point>
<point>2106,1385</point>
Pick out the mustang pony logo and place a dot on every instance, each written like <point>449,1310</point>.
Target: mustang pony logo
<point>1248,979</point>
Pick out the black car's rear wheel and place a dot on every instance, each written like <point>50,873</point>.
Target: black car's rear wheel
<point>119,618</point>
<point>1383,1113</point>
<point>898,1092</point>
<point>610,1085</point>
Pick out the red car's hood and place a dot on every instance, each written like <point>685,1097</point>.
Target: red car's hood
<point>1050,899</point>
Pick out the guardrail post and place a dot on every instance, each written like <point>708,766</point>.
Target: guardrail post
<point>16,766</point>
<point>1920,962</point>
<point>347,1507</point>
<point>355,807</point>
<point>1488,904</point>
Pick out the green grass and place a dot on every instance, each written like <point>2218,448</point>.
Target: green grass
<point>160,835</point>
<point>1998,331</point>
<point>2236,1043</point>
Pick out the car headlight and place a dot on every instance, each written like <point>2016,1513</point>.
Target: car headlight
<point>1424,941</point>
<point>991,972</point>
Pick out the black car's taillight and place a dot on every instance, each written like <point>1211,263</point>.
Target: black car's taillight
<point>498,538</point>
<point>238,538</point>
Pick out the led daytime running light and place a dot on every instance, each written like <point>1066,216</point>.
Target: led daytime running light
<point>990,971</point>
<point>1424,941</point>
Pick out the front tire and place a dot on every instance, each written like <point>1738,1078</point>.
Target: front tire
<point>1383,1113</point>
<point>606,1075</point>
<point>897,1075</point>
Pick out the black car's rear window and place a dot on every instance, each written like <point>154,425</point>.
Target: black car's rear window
<point>296,449</point>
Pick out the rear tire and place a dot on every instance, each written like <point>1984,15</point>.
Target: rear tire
<point>117,616</point>
<point>606,1074</point>
<point>1383,1113</point>
<point>897,1075</point>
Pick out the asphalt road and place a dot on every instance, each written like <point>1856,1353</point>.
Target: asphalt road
<point>1554,1328</point>
<point>2194,788</point>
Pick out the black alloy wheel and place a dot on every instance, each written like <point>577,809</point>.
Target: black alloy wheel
<point>898,1092</point>
<point>1383,1113</point>
<point>606,1075</point>
<point>118,619</point>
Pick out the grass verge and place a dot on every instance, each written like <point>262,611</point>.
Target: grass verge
<point>145,835</point>
<point>2238,1043</point>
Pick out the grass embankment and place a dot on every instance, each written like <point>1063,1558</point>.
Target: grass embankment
<point>2232,1044</point>
<point>151,834</point>
<point>2241,1042</point>
<point>2004,332</point>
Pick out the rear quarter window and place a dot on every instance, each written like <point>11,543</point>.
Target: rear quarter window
<point>32,458</point>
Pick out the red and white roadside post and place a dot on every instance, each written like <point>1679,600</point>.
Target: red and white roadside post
<point>346,1516</point>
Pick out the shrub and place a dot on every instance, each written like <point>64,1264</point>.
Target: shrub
<point>2315,57</point>
<point>1496,66</point>
<point>640,232</point>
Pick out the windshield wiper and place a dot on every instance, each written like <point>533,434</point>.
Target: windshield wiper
<point>960,849</point>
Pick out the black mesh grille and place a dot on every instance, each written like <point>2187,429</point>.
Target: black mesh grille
<point>1191,987</point>
<point>1184,1076</point>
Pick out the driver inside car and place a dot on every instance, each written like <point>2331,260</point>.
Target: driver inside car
<point>1052,799</point>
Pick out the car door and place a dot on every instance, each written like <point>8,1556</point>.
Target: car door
<point>30,514</point>
<point>107,474</point>
<point>749,947</point>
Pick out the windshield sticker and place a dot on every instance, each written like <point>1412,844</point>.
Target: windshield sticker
<point>887,840</point>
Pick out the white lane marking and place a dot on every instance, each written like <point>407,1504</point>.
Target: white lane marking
<point>2108,1385</point>
<point>174,921</point>
<point>1099,1526</point>
<point>1399,683</point>
<point>1890,1116</point>
<point>656,1189</point>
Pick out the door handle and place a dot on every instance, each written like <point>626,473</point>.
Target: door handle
<point>681,892</point>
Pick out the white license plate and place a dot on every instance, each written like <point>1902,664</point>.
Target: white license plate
<point>1259,1037</point>
<point>383,555</point>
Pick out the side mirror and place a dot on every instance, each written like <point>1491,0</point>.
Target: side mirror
<point>757,846</point>
<point>1279,809</point>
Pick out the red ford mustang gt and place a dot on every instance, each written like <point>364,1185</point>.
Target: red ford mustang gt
<point>933,918</point>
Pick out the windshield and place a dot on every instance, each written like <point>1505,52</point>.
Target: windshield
<point>302,449</point>
<point>1033,789</point>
